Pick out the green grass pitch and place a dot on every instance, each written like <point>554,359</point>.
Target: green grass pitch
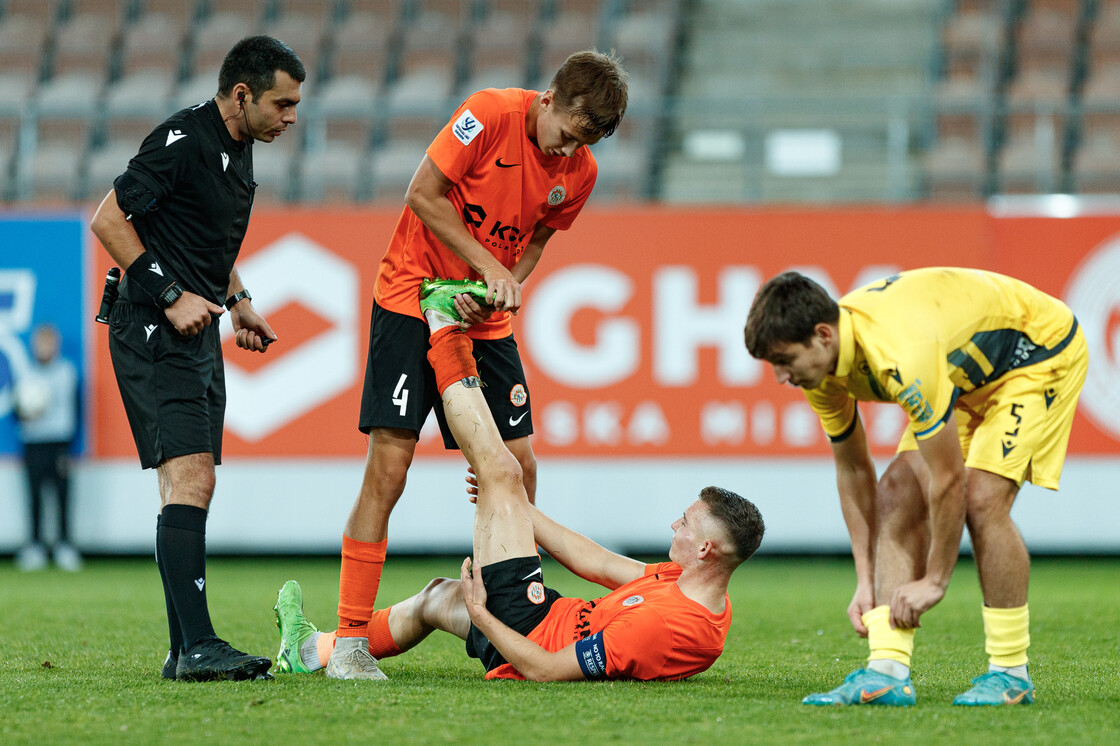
<point>80,657</point>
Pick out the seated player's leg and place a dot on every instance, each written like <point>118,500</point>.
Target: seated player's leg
<point>503,525</point>
<point>304,649</point>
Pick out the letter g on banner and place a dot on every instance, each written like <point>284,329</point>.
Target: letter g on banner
<point>1094,295</point>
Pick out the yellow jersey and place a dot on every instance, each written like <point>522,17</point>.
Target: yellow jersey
<point>924,337</point>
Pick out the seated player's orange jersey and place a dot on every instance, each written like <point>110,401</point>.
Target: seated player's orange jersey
<point>650,630</point>
<point>504,188</point>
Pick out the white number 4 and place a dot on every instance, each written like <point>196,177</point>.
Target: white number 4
<point>400,393</point>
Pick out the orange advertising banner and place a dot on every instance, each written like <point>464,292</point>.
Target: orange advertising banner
<point>631,332</point>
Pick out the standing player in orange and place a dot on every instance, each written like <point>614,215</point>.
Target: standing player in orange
<point>508,170</point>
<point>662,621</point>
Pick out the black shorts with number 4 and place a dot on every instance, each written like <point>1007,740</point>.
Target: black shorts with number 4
<point>400,386</point>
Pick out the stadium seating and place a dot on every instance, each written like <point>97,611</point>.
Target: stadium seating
<point>923,99</point>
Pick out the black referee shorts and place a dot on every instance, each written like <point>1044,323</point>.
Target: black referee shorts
<point>400,386</point>
<point>172,386</point>
<point>517,597</point>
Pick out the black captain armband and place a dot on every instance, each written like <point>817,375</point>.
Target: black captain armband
<point>133,197</point>
<point>148,275</point>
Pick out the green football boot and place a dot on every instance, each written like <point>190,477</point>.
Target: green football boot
<point>438,295</point>
<point>294,628</point>
<point>997,688</point>
<point>866,687</point>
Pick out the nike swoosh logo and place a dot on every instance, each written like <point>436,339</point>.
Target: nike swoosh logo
<point>356,624</point>
<point>174,136</point>
<point>538,572</point>
<point>499,164</point>
<point>866,696</point>
<point>515,423</point>
<point>1016,699</point>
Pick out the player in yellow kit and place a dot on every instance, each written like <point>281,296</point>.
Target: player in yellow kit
<point>995,357</point>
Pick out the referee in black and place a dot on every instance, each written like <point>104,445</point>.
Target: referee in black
<point>174,222</point>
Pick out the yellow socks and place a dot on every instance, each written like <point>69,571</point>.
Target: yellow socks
<point>1007,635</point>
<point>887,644</point>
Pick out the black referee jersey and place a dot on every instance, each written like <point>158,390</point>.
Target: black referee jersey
<point>189,192</point>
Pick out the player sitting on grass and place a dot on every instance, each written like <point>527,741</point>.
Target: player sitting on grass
<point>661,621</point>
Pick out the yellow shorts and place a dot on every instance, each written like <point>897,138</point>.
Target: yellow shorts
<point>1018,425</point>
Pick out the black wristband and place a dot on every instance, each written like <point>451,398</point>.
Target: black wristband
<point>236,298</point>
<point>150,276</point>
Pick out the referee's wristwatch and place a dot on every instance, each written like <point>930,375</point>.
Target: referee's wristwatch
<point>236,298</point>
<point>169,295</point>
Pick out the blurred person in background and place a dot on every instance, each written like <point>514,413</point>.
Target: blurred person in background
<point>989,371</point>
<point>508,170</point>
<point>174,222</point>
<point>48,407</point>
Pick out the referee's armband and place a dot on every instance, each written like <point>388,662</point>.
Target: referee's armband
<point>133,198</point>
<point>591,653</point>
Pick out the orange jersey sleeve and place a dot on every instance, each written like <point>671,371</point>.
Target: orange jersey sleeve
<point>504,187</point>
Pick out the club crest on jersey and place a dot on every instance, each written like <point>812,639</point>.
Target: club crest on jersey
<point>535,593</point>
<point>633,601</point>
<point>466,127</point>
<point>557,195</point>
<point>518,396</point>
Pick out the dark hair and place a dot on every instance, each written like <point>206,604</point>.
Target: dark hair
<point>787,309</point>
<point>254,61</point>
<point>593,87</point>
<point>739,517</point>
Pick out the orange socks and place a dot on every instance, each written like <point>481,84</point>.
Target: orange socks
<point>381,643</point>
<point>357,584</point>
<point>451,357</point>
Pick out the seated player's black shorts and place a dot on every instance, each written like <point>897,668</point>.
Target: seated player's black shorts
<point>400,386</point>
<point>173,386</point>
<point>517,596</point>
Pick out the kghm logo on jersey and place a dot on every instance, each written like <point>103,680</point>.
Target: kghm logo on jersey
<point>518,396</point>
<point>501,235</point>
<point>535,593</point>
<point>557,195</point>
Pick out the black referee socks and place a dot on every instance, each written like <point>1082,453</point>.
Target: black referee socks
<point>174,629</point>
<point>181,551</point>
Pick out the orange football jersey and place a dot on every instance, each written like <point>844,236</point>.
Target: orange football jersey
<point>648,629</point>
<point>504,188</point>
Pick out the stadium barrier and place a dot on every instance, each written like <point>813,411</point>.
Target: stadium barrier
<point>641,390</point>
